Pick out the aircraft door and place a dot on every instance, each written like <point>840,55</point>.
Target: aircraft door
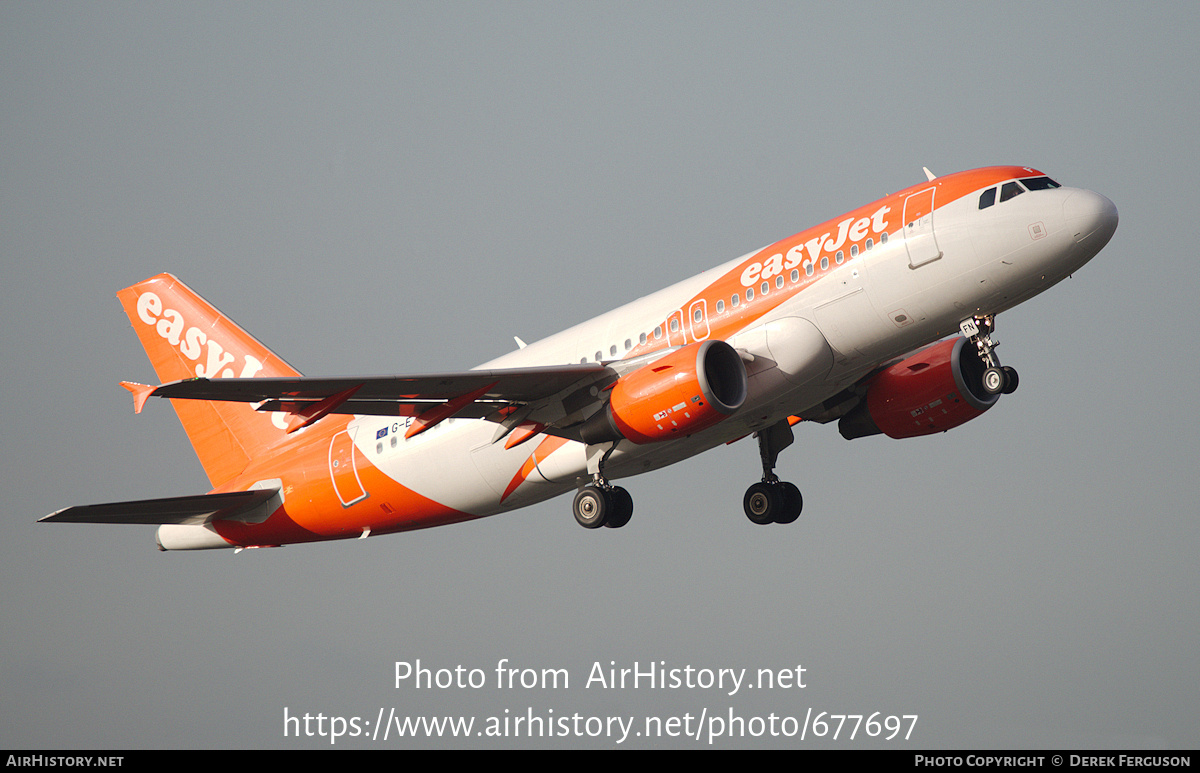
<point>919,239</point>
<point>343,468</point>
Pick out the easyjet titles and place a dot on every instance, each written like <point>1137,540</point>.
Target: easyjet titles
<point>849,229</point>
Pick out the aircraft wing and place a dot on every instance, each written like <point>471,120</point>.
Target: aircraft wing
<point>192,509</point>
<point>547,395</point>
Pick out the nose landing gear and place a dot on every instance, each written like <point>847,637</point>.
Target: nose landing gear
<point>996,379</point>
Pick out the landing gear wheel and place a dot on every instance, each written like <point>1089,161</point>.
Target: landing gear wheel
<point>622,508</point>
<point>793,503</point>
<point>1010,380</point>
<point>592,507</point>
<point>994,381</point>
<point>763,501</point>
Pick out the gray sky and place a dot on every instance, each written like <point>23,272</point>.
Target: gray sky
<point>394,187</point>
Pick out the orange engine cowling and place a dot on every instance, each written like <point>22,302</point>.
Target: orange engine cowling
<point>936,389</point>
<point>684,392</point>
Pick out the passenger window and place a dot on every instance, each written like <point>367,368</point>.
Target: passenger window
<point>749,294</point>
<point>839,257</point>
<point>824,262</point>
<point>764,287</point>
<point>658,332</point>
<point>779,281</point>
<point>734,301</point>
<point>988,198</point>
<point>642,338</point>
<point>720,306</point>
<point>628,344</point>
<point>870,244</point>
<point>883,237</point>
<point>795,275</point>
<point>1010,190</point>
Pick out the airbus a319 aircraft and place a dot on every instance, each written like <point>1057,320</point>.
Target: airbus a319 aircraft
<point>880,320</point>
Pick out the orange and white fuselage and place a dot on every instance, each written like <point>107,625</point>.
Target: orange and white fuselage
<point>816,320</point>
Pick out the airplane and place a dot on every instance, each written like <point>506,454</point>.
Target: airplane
<point>880,319</point>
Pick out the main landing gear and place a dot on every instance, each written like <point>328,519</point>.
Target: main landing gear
<point>997,378</point>
<point>600,503</point>
<point>772,500</point>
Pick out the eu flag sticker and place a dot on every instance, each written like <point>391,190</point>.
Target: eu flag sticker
<point>381,433</point>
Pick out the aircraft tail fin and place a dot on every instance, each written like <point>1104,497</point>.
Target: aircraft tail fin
<point>186,337</point>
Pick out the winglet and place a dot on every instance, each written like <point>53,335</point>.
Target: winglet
<point>141,392</point>
<point>930,176</point>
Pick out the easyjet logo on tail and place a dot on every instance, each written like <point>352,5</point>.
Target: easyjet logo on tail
<point>193,343</point>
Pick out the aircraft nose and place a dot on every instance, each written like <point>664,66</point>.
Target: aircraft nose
<point>1090,216</point>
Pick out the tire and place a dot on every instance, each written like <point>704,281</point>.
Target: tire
<point>994,381</point>
<point>591,507</point>
<point>622,508</point>
<point>1011,379</point>
<point>762,503</point>
<point>793,503</point>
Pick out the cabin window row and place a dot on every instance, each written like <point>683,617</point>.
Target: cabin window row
<point>736,299</point>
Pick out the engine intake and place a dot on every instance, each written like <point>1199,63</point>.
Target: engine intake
<point>686,391</point>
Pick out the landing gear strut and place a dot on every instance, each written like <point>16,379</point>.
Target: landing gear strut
<point>600,503</point>
<point>772,500</point>
<point>997,379</point>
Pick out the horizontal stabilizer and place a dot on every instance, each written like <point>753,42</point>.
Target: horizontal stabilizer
<point>201,508</point>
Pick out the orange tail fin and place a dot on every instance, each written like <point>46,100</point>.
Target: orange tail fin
<point>186,337</point>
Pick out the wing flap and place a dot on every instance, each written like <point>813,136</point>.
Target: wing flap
<point>197,509</point>
<point>509,385</point>
<point>433,397</point>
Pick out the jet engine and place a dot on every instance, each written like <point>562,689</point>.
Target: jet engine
<point>936,389</point>
<point>682,393</point>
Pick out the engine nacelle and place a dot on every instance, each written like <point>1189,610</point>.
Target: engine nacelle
<point>677,395</point>
<point>934,390</point>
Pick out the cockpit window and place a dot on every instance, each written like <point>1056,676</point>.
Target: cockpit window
<point>988,198</point>
<point>1010,190</point>
<point>1040,183</point>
